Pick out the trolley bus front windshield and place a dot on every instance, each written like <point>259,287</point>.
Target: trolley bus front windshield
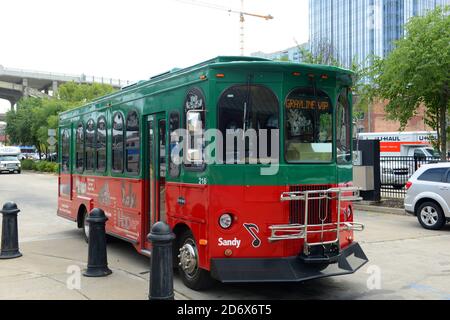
<point>308,126</point>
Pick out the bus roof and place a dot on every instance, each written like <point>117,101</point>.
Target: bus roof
<point>232,62</point>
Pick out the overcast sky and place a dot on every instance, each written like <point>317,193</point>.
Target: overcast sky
<point>136,39</point>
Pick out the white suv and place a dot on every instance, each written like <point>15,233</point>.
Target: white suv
<point>428,195</point>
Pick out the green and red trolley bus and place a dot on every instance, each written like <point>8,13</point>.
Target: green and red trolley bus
<point>233,221</point>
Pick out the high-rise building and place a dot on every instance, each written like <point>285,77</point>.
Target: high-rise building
<point>359,28</point>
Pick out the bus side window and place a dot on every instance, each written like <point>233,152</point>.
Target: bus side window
<point>101,138</point>
<point>90,143</point>
<point>117,143</point>
<point>343,125</point>
<point>65,154</point>
<point>195,125</point>
<point>80,148</point>
<point>132,143</point>
<point>174,144</point>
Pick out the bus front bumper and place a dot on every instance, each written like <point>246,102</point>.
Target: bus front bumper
<point>291,269</point>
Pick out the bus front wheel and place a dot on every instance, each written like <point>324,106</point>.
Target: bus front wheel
<point>85,226</point>
<point>192,275</point>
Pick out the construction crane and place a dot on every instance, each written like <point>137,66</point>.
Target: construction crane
<point>241,14</point>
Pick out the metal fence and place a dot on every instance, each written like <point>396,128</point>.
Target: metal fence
<point>396,171</point>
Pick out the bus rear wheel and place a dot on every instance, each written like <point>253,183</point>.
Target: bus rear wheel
<point>192,275</point>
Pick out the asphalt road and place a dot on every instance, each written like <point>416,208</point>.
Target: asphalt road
<point>406,261</point>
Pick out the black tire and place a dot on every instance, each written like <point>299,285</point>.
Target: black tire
<point>431,216</point>
<point>194,278</point>
<point>85,226</point>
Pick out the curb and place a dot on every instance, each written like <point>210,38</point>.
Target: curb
<point>377,209</point>
<point>40,172</point>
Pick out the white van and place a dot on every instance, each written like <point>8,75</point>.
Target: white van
<point>9,161</point>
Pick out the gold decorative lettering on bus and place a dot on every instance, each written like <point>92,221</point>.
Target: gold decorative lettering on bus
<point>306,104</point>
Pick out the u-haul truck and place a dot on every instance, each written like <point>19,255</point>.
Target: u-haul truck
<point>413,144</point>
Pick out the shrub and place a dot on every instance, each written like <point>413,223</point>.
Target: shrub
<point>51,167</point>
<point>41,166</point>
<point>27,164</point>
<point>48,167</point>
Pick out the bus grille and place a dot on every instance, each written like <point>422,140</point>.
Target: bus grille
<point>318,209</point>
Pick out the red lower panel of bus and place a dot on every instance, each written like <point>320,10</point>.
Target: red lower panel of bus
<point>121,199</point>
<point>255,209</point>
<point>199,207</point>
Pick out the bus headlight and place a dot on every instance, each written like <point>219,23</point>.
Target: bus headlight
<point>225,221</point>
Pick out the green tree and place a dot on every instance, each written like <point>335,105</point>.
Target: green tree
<point>417,73</point>
<point>79,94</point>
<point>29,123</point>
<point>20,122</point>
<point>44,117</point>
<point>323,52</point>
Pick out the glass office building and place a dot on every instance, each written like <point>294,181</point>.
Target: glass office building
<point>358,28</point>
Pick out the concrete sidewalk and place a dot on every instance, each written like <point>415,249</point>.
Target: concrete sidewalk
<point>48,266</point>
<point>368,207</point>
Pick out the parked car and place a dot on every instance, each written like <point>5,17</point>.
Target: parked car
<point>428,195</point>
<point>396,173</point>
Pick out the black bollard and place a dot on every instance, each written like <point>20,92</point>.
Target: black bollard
<point>161,269</point>
<point>10,234</point>
<point>97,258</point>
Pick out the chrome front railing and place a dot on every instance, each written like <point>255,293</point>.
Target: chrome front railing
<point>301,231</point>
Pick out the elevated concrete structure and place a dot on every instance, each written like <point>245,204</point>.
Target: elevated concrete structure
<point>17,83</point>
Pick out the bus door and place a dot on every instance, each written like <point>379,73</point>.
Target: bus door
<point>156,164</point>
<point>65,176</point>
